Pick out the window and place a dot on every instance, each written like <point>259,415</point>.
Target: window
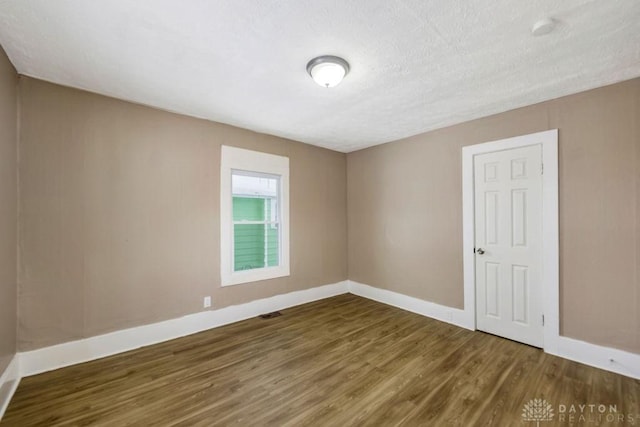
<point>256,222</point>
<point>254,211</point>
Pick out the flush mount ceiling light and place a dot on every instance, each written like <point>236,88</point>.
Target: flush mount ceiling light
<point>327,70</point>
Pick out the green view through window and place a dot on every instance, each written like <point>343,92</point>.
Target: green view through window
<point>256,220</point>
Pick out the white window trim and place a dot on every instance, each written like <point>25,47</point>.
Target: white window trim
<point>253,161</point>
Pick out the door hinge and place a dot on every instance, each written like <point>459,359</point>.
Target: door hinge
<point>543,320</point>
<point>542,169</point>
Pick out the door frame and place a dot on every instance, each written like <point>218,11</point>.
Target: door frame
<point>550,228</point>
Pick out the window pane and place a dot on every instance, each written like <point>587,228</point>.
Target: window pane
<point>248,209</point>
<point>256,246</point>
<point>249,246</point>
<point>254,197</point>
<point>273,245</point>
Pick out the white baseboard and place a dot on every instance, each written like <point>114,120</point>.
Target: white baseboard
<point>455,316</point>
<point>9,381</point>
<point>70,353</point>
<point>607,358</point>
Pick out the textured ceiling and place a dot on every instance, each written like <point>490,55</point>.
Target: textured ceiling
<point>416,65</point>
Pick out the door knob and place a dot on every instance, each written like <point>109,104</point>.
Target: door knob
<point>480,251</point>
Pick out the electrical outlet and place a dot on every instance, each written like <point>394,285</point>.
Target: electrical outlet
<point>207,302</point>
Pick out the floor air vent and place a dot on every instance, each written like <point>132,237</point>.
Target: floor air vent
<point>270,315</point>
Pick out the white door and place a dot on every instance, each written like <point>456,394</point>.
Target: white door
<point>508,246</point>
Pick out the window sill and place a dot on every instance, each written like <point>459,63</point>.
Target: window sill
<point>248,276</point>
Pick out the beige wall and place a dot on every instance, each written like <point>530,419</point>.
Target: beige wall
<point>405,210</point>
<point>119,221</point>
<point>119,213</point>
<point>8,208</point>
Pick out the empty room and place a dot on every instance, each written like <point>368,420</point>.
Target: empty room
<point>320,213</point>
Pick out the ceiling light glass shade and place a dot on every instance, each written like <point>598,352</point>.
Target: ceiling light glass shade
<point>328,71</point>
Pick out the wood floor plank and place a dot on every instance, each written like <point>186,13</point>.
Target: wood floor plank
<point>342,361</point>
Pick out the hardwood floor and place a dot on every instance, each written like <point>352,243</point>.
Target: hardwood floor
<point>338,362</point>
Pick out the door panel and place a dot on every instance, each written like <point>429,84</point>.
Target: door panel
<point>518,218</point>
<point>492,307</point>
<point>508,207</point>
<point>520,300</point>
<point>491,206</point>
